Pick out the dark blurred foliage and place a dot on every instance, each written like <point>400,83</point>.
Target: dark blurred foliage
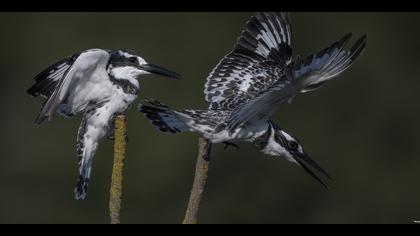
<point>363,127</point>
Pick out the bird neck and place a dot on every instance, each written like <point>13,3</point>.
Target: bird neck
<point>128,85</point>
<point>262,141</point>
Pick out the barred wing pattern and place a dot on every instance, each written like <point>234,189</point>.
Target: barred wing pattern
<point>47,80</point>
<point>306,75</point>
<point>257,61</point>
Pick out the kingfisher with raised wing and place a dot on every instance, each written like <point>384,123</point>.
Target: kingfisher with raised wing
<point>247,86</point>
<point>98,83</point>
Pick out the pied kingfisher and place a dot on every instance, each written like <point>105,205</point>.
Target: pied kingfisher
<point>248,85</point>
<point>101,84</point>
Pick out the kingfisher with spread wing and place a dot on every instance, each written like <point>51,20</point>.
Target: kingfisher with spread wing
<point>247,86</point>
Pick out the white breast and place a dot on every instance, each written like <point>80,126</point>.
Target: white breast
<point>120,100</point>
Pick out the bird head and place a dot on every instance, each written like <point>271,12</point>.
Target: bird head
<point>277,142</point>
<point>127,64</point>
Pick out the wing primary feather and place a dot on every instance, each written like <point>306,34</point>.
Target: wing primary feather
<point>46,80</point>
<point>259,57</point>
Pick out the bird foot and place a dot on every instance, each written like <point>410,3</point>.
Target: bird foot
<point>227,144</point>
<point>111,134</point>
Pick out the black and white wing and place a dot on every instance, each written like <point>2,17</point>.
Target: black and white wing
<point>317,69</point>
<point>258,60</point>
<point>47,80</point>
<point>306,75</point>
<point>56,84</point>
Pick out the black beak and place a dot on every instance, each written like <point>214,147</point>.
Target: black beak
<point>155,69</point>
<point>305,162</point>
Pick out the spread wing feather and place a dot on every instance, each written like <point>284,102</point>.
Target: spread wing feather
<point>306,75</point>
<point>82,67</point>
<point>47,80</point>
<point>256,62</point>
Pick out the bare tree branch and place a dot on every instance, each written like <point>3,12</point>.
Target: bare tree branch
<point>200,179</point>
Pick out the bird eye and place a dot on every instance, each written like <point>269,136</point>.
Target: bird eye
<point>293,145</point>
<point>132,59</point>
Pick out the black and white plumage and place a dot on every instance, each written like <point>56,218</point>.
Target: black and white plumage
<point>99,83</point>
<point>247,86</point>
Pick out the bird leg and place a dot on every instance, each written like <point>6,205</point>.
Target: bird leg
<point>111,132</point>
<point>227,144</point>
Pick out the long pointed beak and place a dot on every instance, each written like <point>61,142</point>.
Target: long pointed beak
<point>305,161</point>
<point>155,69</point>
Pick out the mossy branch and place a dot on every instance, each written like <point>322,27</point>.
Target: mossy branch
<point>117,170</point>
<point>200,179</point>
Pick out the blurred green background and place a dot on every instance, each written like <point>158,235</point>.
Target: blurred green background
<point>362,128</point>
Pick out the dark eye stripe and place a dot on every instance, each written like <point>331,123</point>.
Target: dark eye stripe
<point>132,59</point>
<point>293,145</point>
<point>281,139</point>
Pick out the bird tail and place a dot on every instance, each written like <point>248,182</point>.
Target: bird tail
<point>80,191</point>
<point>85,151</point>
<point>161,116</point>
<point>314,71</point>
